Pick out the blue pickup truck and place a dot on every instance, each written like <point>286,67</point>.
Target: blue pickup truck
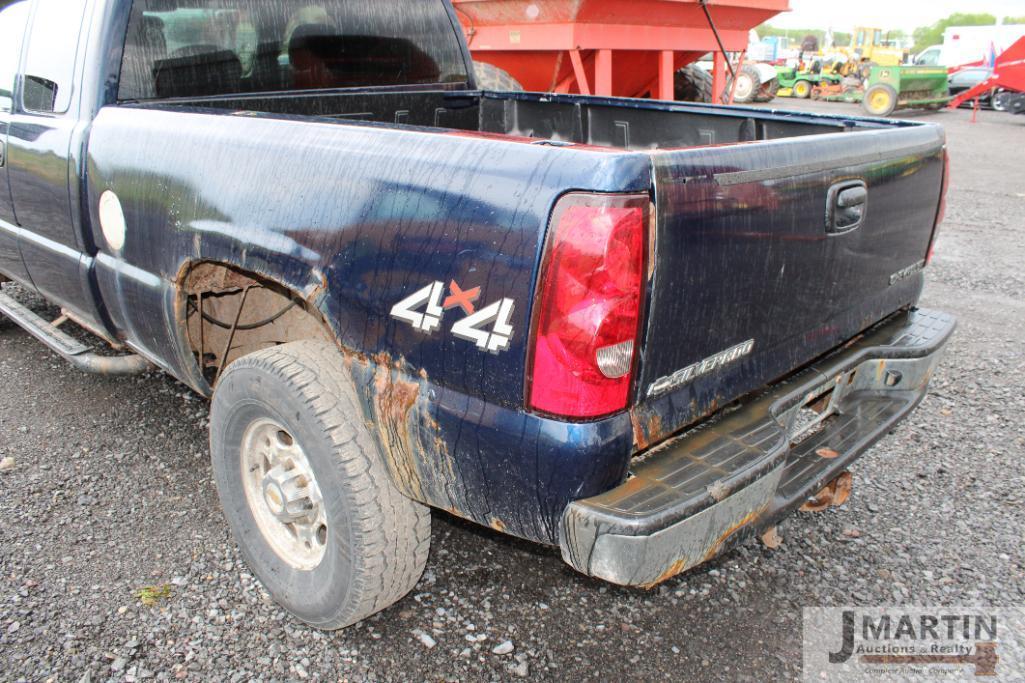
<point>637,331</point>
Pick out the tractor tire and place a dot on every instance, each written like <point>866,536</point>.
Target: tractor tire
<point>802,89</point>
<point>748,84</point>
<point>880,100</point>
<point>693,84</point>
<point>490,77</point>
<point>768,91</point>
<point>305,490</point>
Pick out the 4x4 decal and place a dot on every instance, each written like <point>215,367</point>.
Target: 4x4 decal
<point>430,319</point>
<point>490,328</point>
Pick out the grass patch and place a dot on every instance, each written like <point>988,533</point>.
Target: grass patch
<point>151,595</point>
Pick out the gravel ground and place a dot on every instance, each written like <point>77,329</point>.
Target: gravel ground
<point>110,492</point>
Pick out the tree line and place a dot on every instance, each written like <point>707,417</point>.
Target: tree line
<point>924,36</point>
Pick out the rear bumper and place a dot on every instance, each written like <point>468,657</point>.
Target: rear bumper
<point>691,497</point>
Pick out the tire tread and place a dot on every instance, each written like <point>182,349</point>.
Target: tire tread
<point>391,533</point>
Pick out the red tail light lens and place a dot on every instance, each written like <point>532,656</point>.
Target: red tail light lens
<point>588,311</point>
<point>941,213</point>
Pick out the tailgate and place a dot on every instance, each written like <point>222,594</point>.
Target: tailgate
<point>760,265</point>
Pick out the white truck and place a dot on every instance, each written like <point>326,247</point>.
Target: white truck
<point>965,45</point>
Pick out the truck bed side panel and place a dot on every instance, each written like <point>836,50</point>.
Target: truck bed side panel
<point>357,217</point>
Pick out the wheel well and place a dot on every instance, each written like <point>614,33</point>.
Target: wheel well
<point>230,313</point>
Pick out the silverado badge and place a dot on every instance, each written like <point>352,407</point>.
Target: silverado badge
<point>705,367</point>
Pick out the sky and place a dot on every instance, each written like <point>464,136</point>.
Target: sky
<point>896,14</point>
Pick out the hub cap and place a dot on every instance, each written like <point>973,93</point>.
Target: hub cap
<point>283,495</point>
<point>745,86</point>
<point>880,101</point>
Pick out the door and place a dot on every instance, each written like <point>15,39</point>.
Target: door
<point>13,19</point>
<point>42,168</point>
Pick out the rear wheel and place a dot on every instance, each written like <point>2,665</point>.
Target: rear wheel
<point>802,89</point>
<point>768,91</point>
<point>305,490</point>
<point>693,84</point>
<point>747,86</point>
<point>490,77</point>
<point>880,100</point>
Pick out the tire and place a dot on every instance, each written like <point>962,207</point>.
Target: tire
<point>693,84</point>
<point>769,91</point>
<point>490,77</point>
<point>372,542</point>
<point>1001,101</point>
<point>880,100</point>
<point>802,89</point>
<point>748,84</point>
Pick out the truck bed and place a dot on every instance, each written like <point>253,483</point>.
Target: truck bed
<point>621,124</point>
<point>741,252</point>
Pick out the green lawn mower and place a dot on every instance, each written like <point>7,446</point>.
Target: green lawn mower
<point>800,84</point>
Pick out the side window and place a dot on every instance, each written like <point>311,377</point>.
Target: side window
<point>50,62</point>
<point>12,29</point>
<point>205,48</point>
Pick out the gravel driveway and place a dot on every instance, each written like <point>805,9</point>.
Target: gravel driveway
<point>116,563</point>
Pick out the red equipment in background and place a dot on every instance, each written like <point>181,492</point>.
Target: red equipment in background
<point>622,48</point>
<point>1008,73</point>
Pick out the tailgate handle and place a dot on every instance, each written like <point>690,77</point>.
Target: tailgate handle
<point>846,206</point>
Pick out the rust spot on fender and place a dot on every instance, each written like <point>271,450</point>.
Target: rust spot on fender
<point>647,429</point>
<point>398,413</point>
<point>498,525</point>
<point>640,439</point>
<point>392,399</point>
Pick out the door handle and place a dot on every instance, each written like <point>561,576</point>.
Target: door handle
<point>852,197</point>
<point>846,206</point>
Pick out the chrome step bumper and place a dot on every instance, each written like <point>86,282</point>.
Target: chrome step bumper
<point>691,497</point>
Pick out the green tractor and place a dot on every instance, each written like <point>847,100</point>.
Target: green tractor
<point>800,84</point>
<point>888,88</point>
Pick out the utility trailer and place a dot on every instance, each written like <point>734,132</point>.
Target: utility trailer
<point>1008,75</point>
<point>619,48</point>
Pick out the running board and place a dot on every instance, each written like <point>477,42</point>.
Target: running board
<point>78,354</point>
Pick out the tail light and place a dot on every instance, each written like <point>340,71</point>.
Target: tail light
<point>941,212</point>
<point>588,310</point>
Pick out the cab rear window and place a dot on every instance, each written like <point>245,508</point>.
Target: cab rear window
<point>202,48</point>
